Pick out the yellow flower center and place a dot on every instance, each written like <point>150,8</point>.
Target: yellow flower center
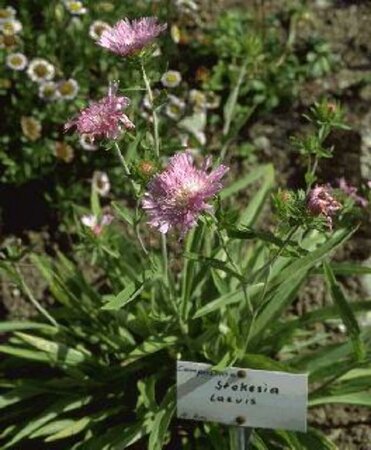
<point>5,13</point>
<point>48,91</point>
<point>64,151</point>
<point>174,109</point>
<point>74,6</point>
<point>40,70</point>
<point>98,29</point>
<point>16,60</point>
<point>9,40</point>
<point>172,78</point>
<point>8,28</point>
<point>31,128</point>
<point>66,88</point>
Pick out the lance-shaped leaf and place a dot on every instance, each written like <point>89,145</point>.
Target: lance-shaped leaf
<point>345,311</point>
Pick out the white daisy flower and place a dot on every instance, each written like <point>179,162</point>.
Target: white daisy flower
<point>171,78</point>
<point>7,13</point>
<point>198,99</point>
<point>75,7</point>
<point>68,89</point>
<point>175,33</point>
<point>186,5</point>
<point>87,144</point>
<point>64,151</point>
<point>175,107</point>
<point>97,28</point>
<point>40,70</point>
<point>9,42</point>
<point>212,100</point>
<point>95,224</point>
<point>101,183</point>
<point>48,91</point>
<point>10,27</point>
<point>16,61</point>
<point>89,220</point>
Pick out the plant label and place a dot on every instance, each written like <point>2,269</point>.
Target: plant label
<point>244,397</point>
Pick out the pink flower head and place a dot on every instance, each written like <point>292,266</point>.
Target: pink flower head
<point>352,192</point>
<point>104,118</point>
<point>126,38</point>
<point>321,202</point>
<point>178,195</point>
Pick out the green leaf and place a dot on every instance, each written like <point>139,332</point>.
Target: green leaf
<point>347,268</point>
<point>345,311</point>
<point>214,262</point>
<point>57,352</point>
<point>239,185</point>
<point>356,398</point>
<point>8,326</point>
<point>15,395</point>
<point>117,438</point>
<point>280,299</point>
<point>52,428</point>
<point>251,213</point>
<point>162,420</point>
<point>231,103</point>
<point>313,257</point>
<point>315,439</point>
<point>24,353</point>
<point>152,345</point>
<point>130,293</point>
<point>70,430</point>
<point>249,233</point>
<point>228,299</point>
<point>262,362</point>
<point>57,408</point>
<point>123,213</point>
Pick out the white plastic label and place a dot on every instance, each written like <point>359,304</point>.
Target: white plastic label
<point>245,397</point>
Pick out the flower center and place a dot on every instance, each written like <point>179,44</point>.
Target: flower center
<point>75,6</point>
<point>5,14</point>
<point>171,78</point>
<point>9,40</point>
<point>16,60</point>
<point>48,91</point>
<point>98,29</point>
<point>66,88</point>
<point>40,70</point>
<point>186,192</point>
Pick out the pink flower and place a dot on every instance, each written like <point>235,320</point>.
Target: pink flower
<point>126,38</point>
<point>96,224</point>
<point>103,118</point>
<point>178,195</point>
<point>321,202</point>
<point>351,191</point>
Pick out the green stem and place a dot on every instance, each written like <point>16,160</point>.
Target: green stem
<point>165,260</point>
<point>123,161</point>
<point>154,115</point>
<point>31,297</point>
<point>135,188</point>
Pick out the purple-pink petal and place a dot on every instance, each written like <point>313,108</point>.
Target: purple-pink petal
<point>177,196</point>
<point>126,38</point>
<point>103,118</point>
<point>321,202</point>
